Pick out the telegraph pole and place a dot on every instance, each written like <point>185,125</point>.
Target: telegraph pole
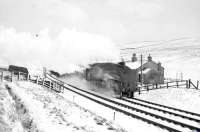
<point>141,71</point>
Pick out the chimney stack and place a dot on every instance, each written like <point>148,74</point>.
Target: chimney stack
<point>134,58</point>
<point>149,58</point>
<point>159,66</point>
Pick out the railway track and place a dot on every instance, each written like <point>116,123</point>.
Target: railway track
<point>166,109</point>
<point>144,112</point>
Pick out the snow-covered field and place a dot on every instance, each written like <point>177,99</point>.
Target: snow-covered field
<point>182,98</point>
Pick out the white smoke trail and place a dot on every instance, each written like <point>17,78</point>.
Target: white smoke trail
<point>64,52</point>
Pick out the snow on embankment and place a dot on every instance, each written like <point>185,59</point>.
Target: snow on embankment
<point>53,113</point>
<point>182,98</point>
<point>8,117</point>
<point>23,115</point>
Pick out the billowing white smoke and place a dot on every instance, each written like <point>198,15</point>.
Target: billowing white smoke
<point>65,52</point>
<point>80,82</point>
<point>100,74</point>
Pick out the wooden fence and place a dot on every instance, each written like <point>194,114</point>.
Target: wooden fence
<point>49,83</point>
<point>177,84</point>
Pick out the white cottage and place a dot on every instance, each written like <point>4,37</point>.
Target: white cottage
<point>152,72</point>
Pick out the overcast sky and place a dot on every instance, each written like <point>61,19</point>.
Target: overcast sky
<point>120,20</point>
<point>77,32</point>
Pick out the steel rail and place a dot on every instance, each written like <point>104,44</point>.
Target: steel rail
<point>161,110</point>
<point>168,107</point>
<point>139,110</point>
<point>126,113</point>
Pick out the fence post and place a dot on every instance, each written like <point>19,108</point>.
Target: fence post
<point>177,84</point>
<point>114,116</point>
<point>139,90</point>
<point>37,79</point>
<point>147,87</point>
<point>11,79</point>
<point>2,76</point>
<point>55,86</point>
<point>18,76</point>
<point>43,81</point>
<point>167,85</point>
<point>189,82</point>
<point>49,84</point>
<point>52,85</point>
<point>197,84</point>
<point>62,88</point>
<point>156,85</point>
<point>59,87</point>
<point>186,84</point>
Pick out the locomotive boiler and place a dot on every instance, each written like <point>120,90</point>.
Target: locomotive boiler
<point>117,77</point>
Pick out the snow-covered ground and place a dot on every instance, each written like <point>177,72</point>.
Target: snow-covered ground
<point>67,111</point>
<point>48,111</point>
<point>182,98</point>
<point>10,121</point>
<point>52,112</point>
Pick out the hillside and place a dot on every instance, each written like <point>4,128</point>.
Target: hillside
<point>177,55</point>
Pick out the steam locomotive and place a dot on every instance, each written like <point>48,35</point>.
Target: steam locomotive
<point>117,77</point>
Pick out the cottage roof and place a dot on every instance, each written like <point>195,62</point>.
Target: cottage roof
<point>134,65</point>
<point>146,70</point>
<point>137,64</point>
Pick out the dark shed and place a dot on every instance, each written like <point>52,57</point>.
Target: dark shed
<point>13,68</point>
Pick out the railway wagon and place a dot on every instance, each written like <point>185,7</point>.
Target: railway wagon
<point>117,77</point>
